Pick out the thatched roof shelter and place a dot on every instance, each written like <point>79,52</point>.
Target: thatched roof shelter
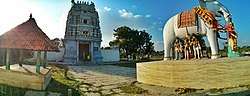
<point>27,36</point>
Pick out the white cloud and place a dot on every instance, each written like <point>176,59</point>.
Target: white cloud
<point>148,16</point>
<point>126,14</point>
<point>107,8</point>
<point>53,24</point>
<point>98,10</point>
<point>13,15</point>
<point>137,16</point>
<point>160,29</point>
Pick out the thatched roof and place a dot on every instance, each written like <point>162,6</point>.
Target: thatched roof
<point>27,36</point>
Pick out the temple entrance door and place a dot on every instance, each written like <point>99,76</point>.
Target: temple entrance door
<point>84,54</point>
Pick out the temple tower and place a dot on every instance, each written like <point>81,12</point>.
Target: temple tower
<point>82,36</point>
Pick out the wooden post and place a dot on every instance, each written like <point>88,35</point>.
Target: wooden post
<point>45,61</point>
<point>7,62</point>
<point>20,57</point>
<point>38,61</point>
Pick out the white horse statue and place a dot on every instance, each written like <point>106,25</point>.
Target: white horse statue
<point>202,22</point>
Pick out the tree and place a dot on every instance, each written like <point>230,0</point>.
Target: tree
<point>244,49</point>
<point>132,42</point>
<point>146,47</point>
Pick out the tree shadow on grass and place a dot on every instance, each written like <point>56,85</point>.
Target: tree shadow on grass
<point>61,82</point>
<point>241,93</point>
<point>244,93</point>
<point>6,90</point>
<point>59,87</point>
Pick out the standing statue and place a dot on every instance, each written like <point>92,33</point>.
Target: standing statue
<point>199,49</point>
<point>187,49</point>
<point>232,41</point>
<point>200,20</point>
<point>193,42</point>
<point>178,49</point>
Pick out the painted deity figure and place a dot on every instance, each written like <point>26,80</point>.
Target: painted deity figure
<point>187,48</point>
<point>178,49</point>
<point>194,45</point>
<point>232,36</point>
<point>199,48</point>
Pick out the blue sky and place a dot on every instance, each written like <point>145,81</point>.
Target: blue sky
<point>149,15</point>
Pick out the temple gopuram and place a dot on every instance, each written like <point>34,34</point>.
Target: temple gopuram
<point>83,35</point>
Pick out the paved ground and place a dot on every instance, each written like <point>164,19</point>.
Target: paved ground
<point>103,79</point>
<point>108,80</point>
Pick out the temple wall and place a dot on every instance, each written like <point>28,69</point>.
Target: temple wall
<point>55,56</point>
<point>110,55</point>
<point>70,51</point>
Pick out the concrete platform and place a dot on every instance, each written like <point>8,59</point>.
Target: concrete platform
<point>197,74</point>
<point>25,77</point>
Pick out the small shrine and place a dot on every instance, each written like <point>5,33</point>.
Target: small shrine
<point>25,37</point>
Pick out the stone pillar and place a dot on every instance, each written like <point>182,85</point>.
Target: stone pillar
<point>77,51</point>
<point>92,52</point>
<point>20,57</point>
<point>7,61</point>
<point>45,60</point>
<point>38,61</point>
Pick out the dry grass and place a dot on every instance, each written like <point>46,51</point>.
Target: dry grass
<point>132,89</point>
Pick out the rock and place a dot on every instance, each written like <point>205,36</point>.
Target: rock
<point>97,84</point>
<point>93,89</point>
<point>92,94</point>
<point>124,94</point>
<point>106,92</point>
<point>84,89</point>
<point>79,79</point>
<point>117,90</point>
<point>84,86</point>
<point>109,87</point>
